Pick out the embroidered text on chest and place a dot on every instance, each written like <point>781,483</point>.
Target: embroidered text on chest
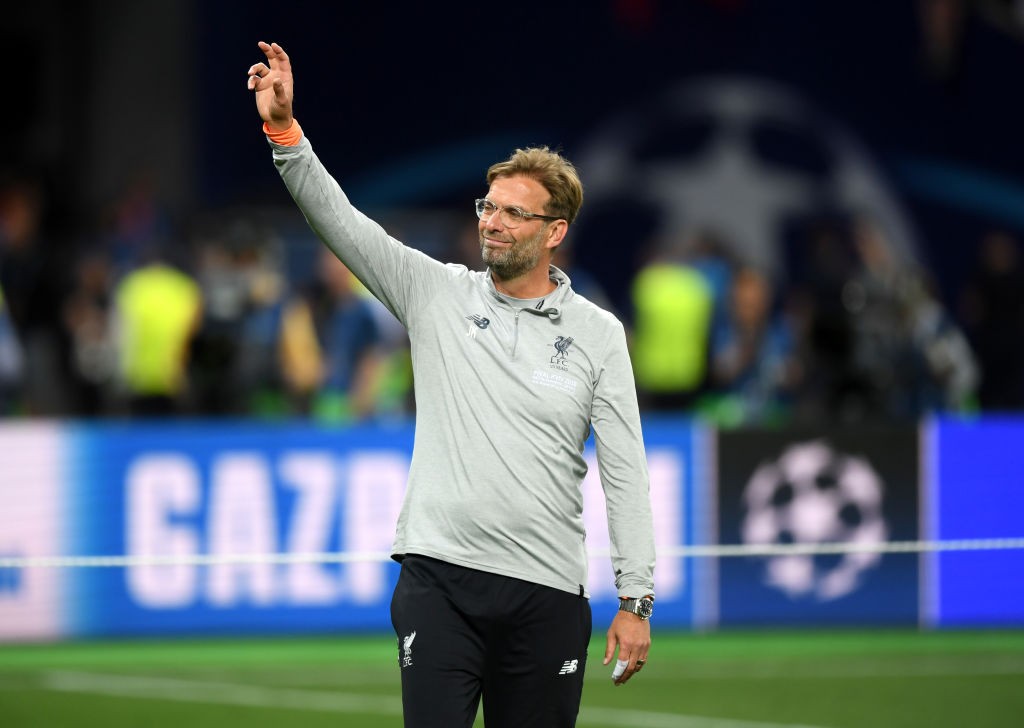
<point>554,381</point>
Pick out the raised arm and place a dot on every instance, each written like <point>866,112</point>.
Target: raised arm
<point>402,278</point>
<point>272,82</point>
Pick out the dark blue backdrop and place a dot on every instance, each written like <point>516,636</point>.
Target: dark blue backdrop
<point>408,102</point>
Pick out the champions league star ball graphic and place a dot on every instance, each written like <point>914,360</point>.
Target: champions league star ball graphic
<point>736,157</point>
<point>815,495</point>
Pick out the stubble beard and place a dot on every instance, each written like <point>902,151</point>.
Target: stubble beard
<point>512,262</point>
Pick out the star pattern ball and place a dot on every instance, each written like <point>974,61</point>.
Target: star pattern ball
<point>740,157</point>
<point>814,494</point>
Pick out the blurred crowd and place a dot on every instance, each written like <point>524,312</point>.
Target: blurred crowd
<point>850,332</point>
<point>141,319</point>
<point>236,318</point>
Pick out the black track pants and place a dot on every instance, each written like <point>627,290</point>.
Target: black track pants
<point>463,633</point>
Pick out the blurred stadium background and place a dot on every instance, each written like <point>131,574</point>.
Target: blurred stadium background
<point>809,216</point>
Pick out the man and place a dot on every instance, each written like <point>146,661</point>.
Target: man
<point>511,369</point>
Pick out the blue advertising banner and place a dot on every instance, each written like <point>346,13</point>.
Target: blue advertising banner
<point>207,498</point>
<point>818,488</point>
<point>234,490</point>
<point>193,505</point>
<point>676,459</point>
<point>977,493</point>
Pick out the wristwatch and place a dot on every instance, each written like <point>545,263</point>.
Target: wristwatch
<point>642,607</point>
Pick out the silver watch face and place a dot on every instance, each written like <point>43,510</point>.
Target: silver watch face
<point>645,608</point>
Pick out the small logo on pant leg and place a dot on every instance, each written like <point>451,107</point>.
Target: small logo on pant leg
<point>569,667</point>
<point>407,649</point>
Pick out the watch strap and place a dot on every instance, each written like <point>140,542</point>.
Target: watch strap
<point>634,606</point>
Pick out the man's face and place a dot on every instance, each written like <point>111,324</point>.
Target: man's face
<point>512,252</point>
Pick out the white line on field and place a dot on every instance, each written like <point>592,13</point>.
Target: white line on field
<point>647,719</point>
<point>976,666</point>
<point>191,691</point>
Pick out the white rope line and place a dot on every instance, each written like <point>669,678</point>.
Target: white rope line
<point>711,551</point>
<point>846,547</point>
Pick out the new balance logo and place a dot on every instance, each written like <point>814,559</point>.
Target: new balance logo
<point>479,321</point>
<point>569,667</point>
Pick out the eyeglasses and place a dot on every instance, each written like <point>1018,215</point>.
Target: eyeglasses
<point>510,216</point>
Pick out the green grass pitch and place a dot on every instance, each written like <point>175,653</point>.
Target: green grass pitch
<point>798,679</point>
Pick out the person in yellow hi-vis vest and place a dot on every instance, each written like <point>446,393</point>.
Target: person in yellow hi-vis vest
<point>673,306</point>
<point>158,310</point>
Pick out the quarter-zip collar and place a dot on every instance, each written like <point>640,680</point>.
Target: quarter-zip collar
<point>550,306</point>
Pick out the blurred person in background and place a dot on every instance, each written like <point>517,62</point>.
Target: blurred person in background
<point>709,253</point>
<point>821,263</point>
<point>158,309</point>
<point>906,347</point>
<point>11,363</point>
<point>949,368</point>
<point>992,310</point>
<point>673,301</point>
<point>332,353</point>
<point>232,363</point>
<point>258,364</point>
<point>754,368</point>
<point>133,220</point>
<point>87,318</point>
<point>214,384</point>
<point>512,372</point>
<point>34,281</point>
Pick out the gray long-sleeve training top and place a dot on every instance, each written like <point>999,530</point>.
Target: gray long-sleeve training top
<point>507,391</point>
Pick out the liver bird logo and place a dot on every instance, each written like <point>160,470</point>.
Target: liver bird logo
<point>562,344</point>
<point>407,649</point>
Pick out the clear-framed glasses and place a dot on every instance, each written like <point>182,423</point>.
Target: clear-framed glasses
<point>510,215</point>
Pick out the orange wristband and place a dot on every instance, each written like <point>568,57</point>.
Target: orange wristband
<point>286,138</point>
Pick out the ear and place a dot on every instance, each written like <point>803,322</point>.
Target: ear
<point>556,234</point>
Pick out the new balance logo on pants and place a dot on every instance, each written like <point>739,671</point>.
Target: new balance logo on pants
<point>569,667</point>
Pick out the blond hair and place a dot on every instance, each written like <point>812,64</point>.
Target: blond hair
<point>553,171</point>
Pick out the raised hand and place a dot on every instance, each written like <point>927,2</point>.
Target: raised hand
<point>272,82</point>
